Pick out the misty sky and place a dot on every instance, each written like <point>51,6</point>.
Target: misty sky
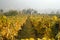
<point>35,4</point>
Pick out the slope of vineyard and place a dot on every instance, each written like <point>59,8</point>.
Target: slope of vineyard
<point>9,26</point>
<point>30,26</point>
<point>45,21</point>
<point>44,25</point>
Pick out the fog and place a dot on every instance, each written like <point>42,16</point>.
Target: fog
<point>25,4</point>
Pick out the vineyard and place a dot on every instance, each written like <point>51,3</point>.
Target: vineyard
<point>29,27</point>
<point>29,19</point>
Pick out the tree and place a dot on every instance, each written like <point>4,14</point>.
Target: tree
<point>35,11</point>
<point>1,10</point>
<point>29,11</point>
<point>11,13</point>
<point>24,11</point>
<point>58,13</point>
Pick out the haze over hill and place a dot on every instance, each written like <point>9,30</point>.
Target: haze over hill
<point>39,5</point>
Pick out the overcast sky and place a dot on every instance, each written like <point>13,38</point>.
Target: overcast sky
<point>35,4</point>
